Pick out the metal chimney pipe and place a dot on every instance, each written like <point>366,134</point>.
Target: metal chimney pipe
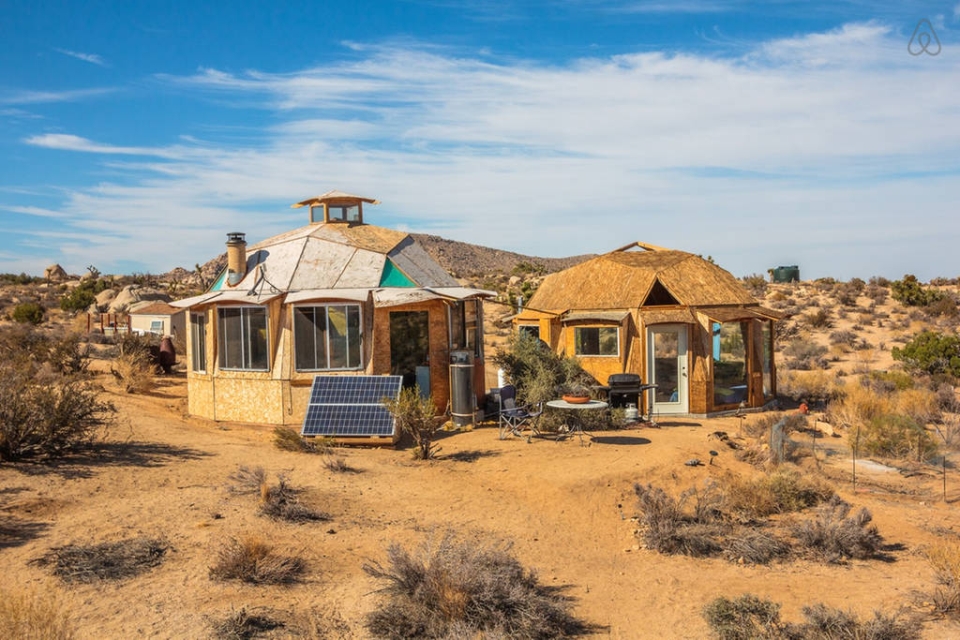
<point>236,257</point>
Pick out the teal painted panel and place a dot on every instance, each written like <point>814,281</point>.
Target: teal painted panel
<point>393,277</point>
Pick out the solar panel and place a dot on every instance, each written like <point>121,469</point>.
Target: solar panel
<point>351,406</point>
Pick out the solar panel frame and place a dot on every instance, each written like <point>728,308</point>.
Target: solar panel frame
<point>351,406</point>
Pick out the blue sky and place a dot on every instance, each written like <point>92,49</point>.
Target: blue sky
<point>135,135</point>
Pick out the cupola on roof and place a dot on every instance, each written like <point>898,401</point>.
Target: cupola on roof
<point>337,206</point>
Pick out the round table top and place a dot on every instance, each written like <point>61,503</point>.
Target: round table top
<point>563,404</point>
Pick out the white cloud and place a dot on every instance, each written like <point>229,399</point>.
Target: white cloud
<point>92,58</point>
<point>779,156</point>
<point>41,97</point>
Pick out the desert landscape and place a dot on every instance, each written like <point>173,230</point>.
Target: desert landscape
<point>568,512</point>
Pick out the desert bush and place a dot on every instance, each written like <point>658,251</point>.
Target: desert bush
<point>536,370</point>
<point>251,559</point>
<point>472,590</point>
<point>245,623</point>
<point>825,623</point>
<point>783,491</point>
<point>804,355</point>
<point>946,307</point>
<point>667,528</point>
<point>280,502</point>
<point>337,464</point>
<point>28,313</point>
<point>931,352</point>
<point>819,319</point>
<point>104,561</point>
<point>746,617</point>
<point>835,536</point>
<point>134,372</point>
<point>288,439</point>
<point>69,355</point>
<point>416,416</point>
<point>947,398</point>
<point>858,406</point>
<point>889,381</point>
<point>848,338</point>
<point>812,386</point>
<point>754,546</point>
<point>944,558</point>
<point>247,480</point>
<point>26,615</point>
<point>897,436</point>
<point>756,283</point>
<point>911,293</point>
<point>48,418</point>
<point>921,405</point>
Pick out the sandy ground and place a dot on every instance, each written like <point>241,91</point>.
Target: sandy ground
<point>567,508</point>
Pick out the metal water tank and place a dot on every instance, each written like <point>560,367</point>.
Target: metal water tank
<point>463,401</point>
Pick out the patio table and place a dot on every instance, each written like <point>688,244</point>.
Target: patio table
<point>572,410</point>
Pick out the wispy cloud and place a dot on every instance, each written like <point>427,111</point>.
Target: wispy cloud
<point>826,137</point>
<point>22,97</point>
<point>92,58</point>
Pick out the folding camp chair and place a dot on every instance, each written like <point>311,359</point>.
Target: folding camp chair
<point>514,419</point>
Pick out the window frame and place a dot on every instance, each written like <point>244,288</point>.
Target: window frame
<point>198,342</point>
<point>598,328</point>
<point>327,345</point>
<point>246,352</point>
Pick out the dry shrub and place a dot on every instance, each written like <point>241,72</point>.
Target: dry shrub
<point>751,618</point>
<point>251,559</point>
<point>804,355</point>
<point>826,623</point>
<point>944,557</point>
<point>245,623</point>
<point>337,464</point>
<point>31,615</point>
<point>280,502</point>
<point>667,527</point>
<point>247,480</point>
<point>104,561</point>
<point>858,406</point>
<point>819,319</point>
<point>836,536</point>
<point>754,546</point>
<point>457,589</point>
<point>134,372</point>
<point>744,618</point>
<point>897,436</point>
<point>416,416</point>
<point>812,386</point>
<point>922,405</point>
<point>288,439</point>
<point>783,491</point>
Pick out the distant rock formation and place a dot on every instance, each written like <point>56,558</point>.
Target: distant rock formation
<point>55,273</point>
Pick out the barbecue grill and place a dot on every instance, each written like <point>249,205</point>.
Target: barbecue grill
<point>624,389</point>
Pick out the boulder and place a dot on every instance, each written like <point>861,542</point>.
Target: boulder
<point>55,273</point>
<point>133,293</point>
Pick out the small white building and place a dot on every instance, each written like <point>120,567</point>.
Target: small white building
<point>158,318</point>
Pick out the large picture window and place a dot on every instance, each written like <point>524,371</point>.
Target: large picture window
<point>198,342</point>
<point>597,341</point>
<point>730,362</point>
<point>242,338</point>
<point>327,337</point>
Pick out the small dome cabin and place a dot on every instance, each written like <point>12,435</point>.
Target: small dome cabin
<point>678,321</point>
<point>336,297</point>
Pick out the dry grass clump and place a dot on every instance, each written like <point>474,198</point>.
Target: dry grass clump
<point>669,525</point>
<point>251,559</point>
<point>288,439</point>
<point>245,623</point>
<point>29,615</point>
<point>836,536</point>
<point>104,561</point>
<point>337,464</point>
<point>453,589</point>
<point>944,557</point>
<point>813,386</point>
<point>804,355</point>
<point>247,480</point>
<point>751,618</point>
<point>280,502</point>
<point>783,491</point>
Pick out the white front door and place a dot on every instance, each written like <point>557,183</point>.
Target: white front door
<point>667,367</point>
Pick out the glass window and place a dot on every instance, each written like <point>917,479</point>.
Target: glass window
<point>767,361</point>
<point>597,341</point>
<point>198,342</point>
<point>730,362</point>
<point>465,326</point>
<point>347,213</point>
<point>530,330</point>
<point>242,338</point>
<point>327,337</point>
